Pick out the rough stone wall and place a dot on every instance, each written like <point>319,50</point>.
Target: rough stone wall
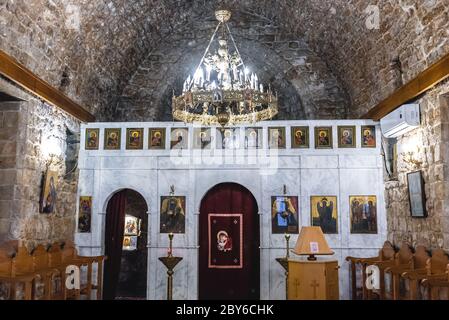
<point>305,86</point>
<point>414,32</point>
<point>90,49</point>
<point>430,147</point>
<point>35,129</point>
<point>9,121</point>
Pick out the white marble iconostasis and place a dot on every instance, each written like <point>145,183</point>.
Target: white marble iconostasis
<point>308,172</point>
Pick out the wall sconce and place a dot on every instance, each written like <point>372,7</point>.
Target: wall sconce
<point>51,151</point>
<point>284,189</point>
<point>172,190</point>
<point>409,158</point>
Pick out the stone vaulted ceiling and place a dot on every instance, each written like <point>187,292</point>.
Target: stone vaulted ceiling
<point>98,52</point>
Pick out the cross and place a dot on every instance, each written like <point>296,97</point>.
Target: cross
<point>296,287</point>
<point>314,285</point>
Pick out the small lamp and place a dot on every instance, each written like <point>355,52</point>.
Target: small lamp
<point>311,242</point>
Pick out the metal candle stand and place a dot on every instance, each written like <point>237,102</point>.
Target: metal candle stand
<point>170,263</point>
<point>284,263</point>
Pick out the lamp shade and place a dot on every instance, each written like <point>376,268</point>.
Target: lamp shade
<point>311,242</point>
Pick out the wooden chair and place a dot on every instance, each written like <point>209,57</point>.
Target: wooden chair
<point>436,267</point>
<point>42,268</point>
<point>70,253</point>
<point>57,281</point>
<point>418,262</point>
<point>402,259</point>
<point>434,286</point>
<point>386,253</point>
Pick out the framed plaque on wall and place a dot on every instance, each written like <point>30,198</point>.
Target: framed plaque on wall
<point>416,194</point>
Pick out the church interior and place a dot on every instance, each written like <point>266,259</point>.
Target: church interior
<point>224,150</point>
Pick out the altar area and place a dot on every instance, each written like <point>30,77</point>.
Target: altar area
<point>199,161</point>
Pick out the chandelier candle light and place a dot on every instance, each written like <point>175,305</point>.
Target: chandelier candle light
<point>222,89</point>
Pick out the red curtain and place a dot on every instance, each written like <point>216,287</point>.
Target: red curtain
<point>115,224</point>
<point>232,284</point>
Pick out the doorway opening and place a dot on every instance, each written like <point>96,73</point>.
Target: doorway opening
<point>125,274</point>
<point>229,254</point>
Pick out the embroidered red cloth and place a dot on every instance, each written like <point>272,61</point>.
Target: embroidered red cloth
<point>225,232</point>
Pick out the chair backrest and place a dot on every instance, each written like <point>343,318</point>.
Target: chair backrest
<point>22,262</point>
<point>420,257</point>
<point>405,253</point>
<point>40,258</point>
<point>69,251</point>
<point>387,252</point>
<point>6,261</point>
<point>54,255</point>
<point>438,262</point>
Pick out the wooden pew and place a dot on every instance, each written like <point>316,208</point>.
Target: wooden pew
<point>436,267</point>
<point>418,262</point>
<point>43,268</point>
<point>386,253</point>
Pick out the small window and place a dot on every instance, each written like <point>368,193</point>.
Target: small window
<point>391,158</point>
<point>71,153</point>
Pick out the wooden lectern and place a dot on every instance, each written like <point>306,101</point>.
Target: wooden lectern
<point>312,279</point>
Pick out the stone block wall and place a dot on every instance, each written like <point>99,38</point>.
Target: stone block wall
<point>429,146</point>
<point>306,87</point>
<point>9,120</point>
<point>29,131</point>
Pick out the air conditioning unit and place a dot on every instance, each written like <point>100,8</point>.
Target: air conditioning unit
<point>400,121</point>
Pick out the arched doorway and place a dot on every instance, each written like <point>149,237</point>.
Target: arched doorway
<point>229,256</point>
<point>125,273</point>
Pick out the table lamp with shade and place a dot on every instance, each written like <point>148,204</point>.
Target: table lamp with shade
<point>311,242</point>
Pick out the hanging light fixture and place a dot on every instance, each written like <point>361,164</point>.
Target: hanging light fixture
<point>222,89</point>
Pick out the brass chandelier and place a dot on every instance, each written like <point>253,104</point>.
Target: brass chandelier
<point>223,90</point>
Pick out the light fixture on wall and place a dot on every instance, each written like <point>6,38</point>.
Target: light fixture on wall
<point>51,151</point>
<point>410,159</point>
<point>222,89</point>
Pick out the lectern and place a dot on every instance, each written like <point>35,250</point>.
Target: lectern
<point>312,279</point>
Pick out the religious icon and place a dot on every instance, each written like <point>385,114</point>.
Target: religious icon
<point>228,138</point>
<point>323,137</point>
<point>225,232</point>
<point>368,136</point>
<point>179,138</point>
<point>284,214</point>
<point>224,241</point>
<point>253,138</point>
<point>363,214</point>
<point>85,214</point>
<point>157,138</point>
<point>202,138</point>
<point>92,138</point>
<point>49,195</point>
<point>134,139</point>
<point>276,138</point>
<point>173,214</point>
<point>324,213</point>
<point>112,139</point>
<point>346,137</point>
<point>132,226</point>
<point>129,243</point>
<point>300,137</point>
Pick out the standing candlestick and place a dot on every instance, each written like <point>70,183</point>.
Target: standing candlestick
<point>284,263</point>
<point>287,239</point>
<point>170,263</point>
